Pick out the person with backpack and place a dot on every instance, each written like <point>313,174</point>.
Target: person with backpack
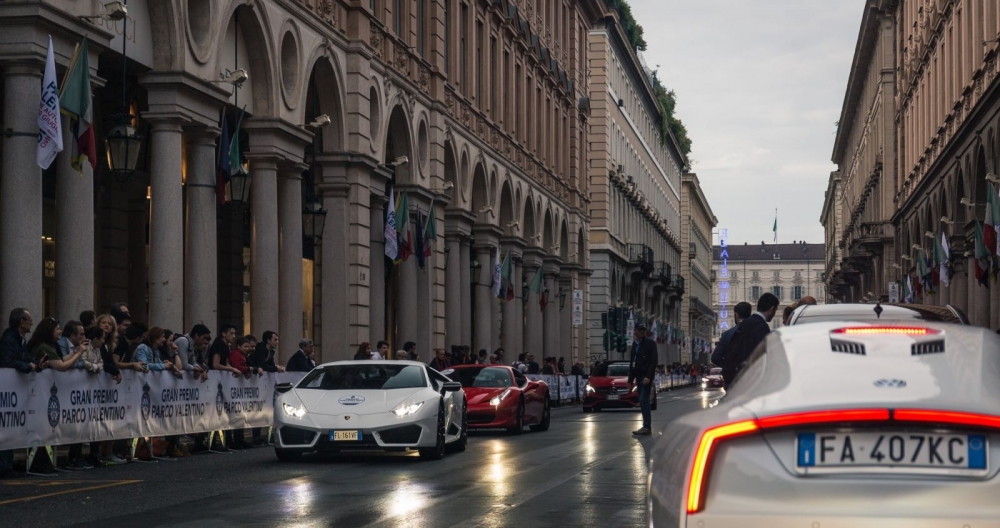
<point>519,364</point>
<point>741,312</point>
<point>749,333</point>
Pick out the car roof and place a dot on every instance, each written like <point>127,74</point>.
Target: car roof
<point>455,367</point>
<point>956,367</point>
<point>867,312</point>
<point>371,362</point>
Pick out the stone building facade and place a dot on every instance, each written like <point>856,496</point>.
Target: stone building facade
<point>487,102</point>
<point>747,271</point>
<point>946,108</point>
<point>635,178</point>
<point>698,318</point>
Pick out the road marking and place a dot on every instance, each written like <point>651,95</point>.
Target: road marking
<point>66,492</point>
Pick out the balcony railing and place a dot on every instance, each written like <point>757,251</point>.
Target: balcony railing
<point>641,254</point>
<point>664,272</point>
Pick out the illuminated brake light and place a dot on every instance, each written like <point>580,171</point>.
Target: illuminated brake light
<point>885,330</point>
<point>703,456</point>
<point>820,417</point>
<point>947,417</point>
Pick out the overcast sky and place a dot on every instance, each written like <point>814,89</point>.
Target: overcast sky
<point>759,86</point>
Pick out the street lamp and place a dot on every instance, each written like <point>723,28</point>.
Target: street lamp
<point>122,145</point>
<point>239,183</point>
<point>313,218</point>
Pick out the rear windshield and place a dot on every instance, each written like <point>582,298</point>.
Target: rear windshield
<point>870,317</point>
<point>613,370</point>
<point>364,377</point>
<point>491,377</point>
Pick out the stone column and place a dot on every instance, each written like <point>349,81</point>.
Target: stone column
<point>406,302</point>
<point>994,309</point>
<point>510,320</point>
<point>376,314</point>
<point>484,298</point>
<point>567,347</point>
<point>531,314</point>
<point>264,247</point>
<point>74,234</point>
<point>166,225</point>
<point>979,301</point>
<point>336,323</point>
<point>290,328</point>
<point>465,265</point>
<point>21,192</point>
<point>551,314</point>
<point>583,333</point>
<point>514,344</point>
<point>201,280</point>
<point>424,305</point>
<point>453,291</point>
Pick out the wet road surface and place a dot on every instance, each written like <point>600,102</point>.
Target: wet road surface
<point>586,470</point>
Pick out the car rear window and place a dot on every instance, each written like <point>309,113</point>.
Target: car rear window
<point>614,370</point>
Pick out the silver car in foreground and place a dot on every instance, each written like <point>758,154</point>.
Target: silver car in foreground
<point>843,424</point>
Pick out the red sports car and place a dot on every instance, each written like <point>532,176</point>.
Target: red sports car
<point>607,388</point>
<point>500,397</point>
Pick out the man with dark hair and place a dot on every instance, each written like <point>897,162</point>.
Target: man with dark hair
<point>192,347</point>
<point>381,351</point>
<point>87,319</point>
<point>266,351</point>
<point>218,353</point>
<point>13,354</point>
<point>411,350</point>
<point>73,338</point>
<point>303,360</point>
<point>741,312</point>
<point>750,333</point>
<point>642,371</point>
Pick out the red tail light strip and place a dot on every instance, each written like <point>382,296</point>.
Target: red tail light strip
<point>883,330</point>
<point>711,438</point>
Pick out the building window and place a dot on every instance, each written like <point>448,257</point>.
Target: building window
<point>798,274</point>
<point>464,65</point>
<point>495,85</point>
<point>421,27</point>
<point>447,36</point>
<point>755,275</point>
<point>508,114</point>
<point>796,293</point>
<point>480,66</point>
<point>398,18</point>
<point>755,293</point>
<point>776,290</point>
<point>734,275</point>
<point>777,274</point>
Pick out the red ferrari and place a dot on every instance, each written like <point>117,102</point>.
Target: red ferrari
<point>607,388</point>
<point>500,397</point>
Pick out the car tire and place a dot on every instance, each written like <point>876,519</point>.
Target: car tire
<point>288,455</point>
<point>518,427</point>
<point>546,417</point>
<point>436,452</point>
<point>463,441</point>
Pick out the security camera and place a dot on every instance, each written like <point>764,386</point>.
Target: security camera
<point>115,11</point>
<point>320,121</point>
<point>235,78</point>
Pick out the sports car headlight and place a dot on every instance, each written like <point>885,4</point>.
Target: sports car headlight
<point>635,387</point>
<point>404,409</point>
<point>291,410</point>
<point>497,399</point>
<point>588,389</point>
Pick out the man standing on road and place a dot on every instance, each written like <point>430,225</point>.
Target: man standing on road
<point>750,333</point>
<point>642,370</point>
<point>741,312</point>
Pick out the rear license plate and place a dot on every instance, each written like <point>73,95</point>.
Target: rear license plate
<point>916,452</point>
<point>345,436</point>
<point>612,397</point>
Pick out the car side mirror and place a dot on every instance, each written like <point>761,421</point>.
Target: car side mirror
<point>282,388</point>
<point>451,386</point>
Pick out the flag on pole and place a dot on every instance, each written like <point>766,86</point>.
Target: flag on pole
<point>497,281</point>
<point>775,228</point>
<point>908,290</point>
<point>430,233</point>
<point>506,271</point>
<point>992,228</point>
<point>391,244</point>
<point>235,157</point>
<point>50,139</point>
<point>982,257</point>
<point>403,228</point>
<point>78,105</point>
<point>945,264</point>
<point>225,162</point>
<point>419,249</point>
<point>538,286</point>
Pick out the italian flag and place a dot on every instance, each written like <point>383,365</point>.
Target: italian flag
<point>77,104</point>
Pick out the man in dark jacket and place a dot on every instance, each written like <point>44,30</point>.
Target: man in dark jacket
<point>266,351</point>
<point>741,312</point>
<point>642,370</point>
<point>750,333</point>
<point>303,359</point>
<point>14,355</point>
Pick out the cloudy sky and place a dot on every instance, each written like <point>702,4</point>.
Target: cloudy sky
<point>759,86</point>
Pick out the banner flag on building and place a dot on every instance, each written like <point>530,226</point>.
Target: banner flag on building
<point>403,228</point>
<point>50,139</point>
<point>225,167</point>
<point>235,157</point>
<point>419,249</point>
<point>908,290</point>
<point>391,244</point>
<point>945,271</point>
<point>982,257</point>
<point>537,286</point>
<point>78,105</point>
<point>506,271</point>
<point>991,236</point>
<point>430,233</point>
<point>497,279</point>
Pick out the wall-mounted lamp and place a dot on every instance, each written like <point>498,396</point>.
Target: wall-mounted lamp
<point>906,258</point>
<point>967,202</point>
<point>946,220</point>
<point>917,247</point>
<point>930,235</point>
<point>402,160</point>
<point>234,77</point>
<point>992,178</point>
<point>514,225</point>
<point>487,209</point>
<point>321,121</point>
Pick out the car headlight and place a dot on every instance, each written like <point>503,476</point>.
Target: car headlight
<point>292,410</point>
<point>497,399</point>
<point>588,389</point>
<point>404,409</point>
<point>704,380</point>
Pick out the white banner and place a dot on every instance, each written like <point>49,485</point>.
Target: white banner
<point>57,408</point>
<point>50,139</point>
<point>577,307</point>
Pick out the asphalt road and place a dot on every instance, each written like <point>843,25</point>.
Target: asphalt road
<point>586,470</point>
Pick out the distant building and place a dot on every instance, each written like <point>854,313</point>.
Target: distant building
<point>698,318</point>
<point>745,272</point>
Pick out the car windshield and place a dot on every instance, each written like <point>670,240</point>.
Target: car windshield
<point>491,377</point>
<point>613,370</point>
<point>364,376</point>
<point>715,372</point>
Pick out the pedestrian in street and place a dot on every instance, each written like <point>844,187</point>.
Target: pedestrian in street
<point>642,371</point>
<point>519,364</point>
<point>808,300</point>
<point>499,353</point>
<point>741,311</point>
<point>786,314</point>
<point>45,343</point>
<point>750,333</point>
<point>381,351</point>
<point>304,359</point>
<point>148,351</point>
<point>533,366</point>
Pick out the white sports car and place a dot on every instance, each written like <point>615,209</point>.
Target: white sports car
<point>370,405</point>
<point>836,424</point>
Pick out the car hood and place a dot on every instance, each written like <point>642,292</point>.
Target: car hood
<point>332,403</point>
<point>608,381</point>
<point>480,395</point>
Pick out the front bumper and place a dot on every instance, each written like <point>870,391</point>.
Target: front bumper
<point>381,431</point>
<point>626,400</point>
<point>486,416</point>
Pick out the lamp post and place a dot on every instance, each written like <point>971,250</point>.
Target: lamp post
<point>313,218</point>
<point>123,141</point>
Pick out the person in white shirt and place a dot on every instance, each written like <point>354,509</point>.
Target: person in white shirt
<point>381,352</point>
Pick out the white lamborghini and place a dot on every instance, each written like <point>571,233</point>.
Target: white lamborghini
<point>837,425</point>
<point>370,405</point>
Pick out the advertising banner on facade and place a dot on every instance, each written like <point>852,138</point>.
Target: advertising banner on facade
<point>58,408</point>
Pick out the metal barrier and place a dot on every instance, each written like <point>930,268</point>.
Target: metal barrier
<point>569,390</point>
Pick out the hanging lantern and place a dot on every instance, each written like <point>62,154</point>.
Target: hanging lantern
<point>122,145</point>
<point>239,183</point>
<point>313,218</point>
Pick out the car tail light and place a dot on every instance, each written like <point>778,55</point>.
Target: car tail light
<point>886,330</point>
<point>947,418</point>
<point>711,438</point>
